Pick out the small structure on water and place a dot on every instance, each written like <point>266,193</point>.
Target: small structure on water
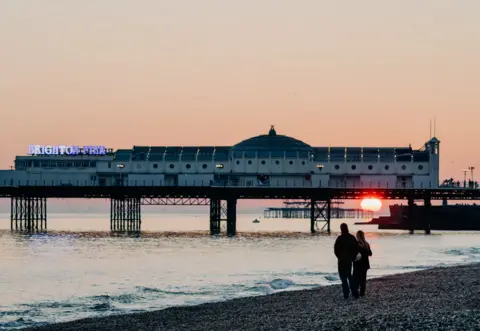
<point>302,209</point>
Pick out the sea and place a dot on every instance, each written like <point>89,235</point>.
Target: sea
<point>79,269</point>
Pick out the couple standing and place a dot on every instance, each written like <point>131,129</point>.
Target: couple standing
<point>350,250</point>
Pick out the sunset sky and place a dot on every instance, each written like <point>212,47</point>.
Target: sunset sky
<point>347,73</point>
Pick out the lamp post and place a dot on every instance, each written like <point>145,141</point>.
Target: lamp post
<point>471,171</point>
<point>465,178</point>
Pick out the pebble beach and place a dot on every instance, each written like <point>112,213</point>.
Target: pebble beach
<point>444,298</point>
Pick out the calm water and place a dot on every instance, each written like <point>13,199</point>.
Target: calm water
<point>78,269</point>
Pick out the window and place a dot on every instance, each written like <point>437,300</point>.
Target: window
<point>238,162</point>
<point>303,162</point>
<point>204,166</point>
<point>219,166</point>
<point>291,162</point>
<point>404,167</point>
<point>121,165</point>
<point>155,166</point>
<point>337,167</point>
<point>420,167</point>
<point>320,166</point>
<point>139,166</point>
<point>370,167</point>
<point>387,167</point>
<point>277,162</point>
<point>354,167</point>
<point>172,165</point>
<point>249,161</point>
<point>263,161</point>
<point>188,166</point>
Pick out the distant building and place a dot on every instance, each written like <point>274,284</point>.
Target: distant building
<point>266,160</point>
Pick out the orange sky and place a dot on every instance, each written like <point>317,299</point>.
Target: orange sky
<point>356,73</point>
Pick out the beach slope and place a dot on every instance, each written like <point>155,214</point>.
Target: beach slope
<point>435,299</point>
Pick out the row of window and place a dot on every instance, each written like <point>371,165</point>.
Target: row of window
<point>204,166</point>
<point>92,164</point>
<point>370,167</point>
<point>22,164</point>
<point>319,166</point>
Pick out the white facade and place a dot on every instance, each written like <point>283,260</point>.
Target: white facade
<point>268,160</point>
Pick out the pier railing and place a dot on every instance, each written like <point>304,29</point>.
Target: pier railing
<point>207,183</point>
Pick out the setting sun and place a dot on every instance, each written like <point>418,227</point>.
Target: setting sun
<point>372,204</point>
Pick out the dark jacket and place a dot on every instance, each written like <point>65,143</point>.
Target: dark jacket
<point>364,262</point>
<point>346,248</point>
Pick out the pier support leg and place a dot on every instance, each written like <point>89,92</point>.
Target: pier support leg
<point>223,214</point>
<point>231,217</point>
<point>313,216</point>
<point>426,216</point>
<point>28,213</point>
<point>411,217</point>
<point>320,211</point>
<point>215,216</point>
<point>329,212</point>
<point>125,214</point>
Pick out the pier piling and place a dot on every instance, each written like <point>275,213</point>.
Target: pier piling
<point>231,217</point>
<point>320,211</point>
<point>215,216</point>
<point>28,213</point>
<point>411,217</point>
<point>223,214</point>
<point>426,216</point>
<point>125,214</point>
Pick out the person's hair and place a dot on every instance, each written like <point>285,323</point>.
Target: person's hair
<point>344,228</point>
<point>361,239</point>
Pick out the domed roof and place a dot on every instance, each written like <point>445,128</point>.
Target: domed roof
<point>272,142</point>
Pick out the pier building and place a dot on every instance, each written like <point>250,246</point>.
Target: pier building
<point>266,160</point>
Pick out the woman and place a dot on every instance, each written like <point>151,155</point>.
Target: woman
<point>361,266</point>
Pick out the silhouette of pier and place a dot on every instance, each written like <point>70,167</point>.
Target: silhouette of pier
<point>29,203</point>
<point>301,209</point>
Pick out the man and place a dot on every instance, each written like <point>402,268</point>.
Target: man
<point>346,249</point>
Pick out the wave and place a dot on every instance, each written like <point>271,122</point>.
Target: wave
<point>157,290</point>
<point>21,322</point>
<point>470,251</point>
<point>332,277</point>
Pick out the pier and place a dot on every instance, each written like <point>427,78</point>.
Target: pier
<point>301,209</point>
<point>29,203</point>
<point>265,166</point>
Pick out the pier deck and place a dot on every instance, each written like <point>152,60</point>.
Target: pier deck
<point>238,192</point>
<point>126,201</point>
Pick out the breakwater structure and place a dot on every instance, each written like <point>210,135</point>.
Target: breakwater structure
<point>267,166</point>
<point>456,217</point>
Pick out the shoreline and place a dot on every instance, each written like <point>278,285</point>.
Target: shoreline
<point>440,298</point>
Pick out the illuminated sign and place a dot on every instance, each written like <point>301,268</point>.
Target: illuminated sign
<point>66,150</point>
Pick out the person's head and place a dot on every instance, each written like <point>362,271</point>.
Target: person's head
<point>344,228</point>
<point>361,237</point>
